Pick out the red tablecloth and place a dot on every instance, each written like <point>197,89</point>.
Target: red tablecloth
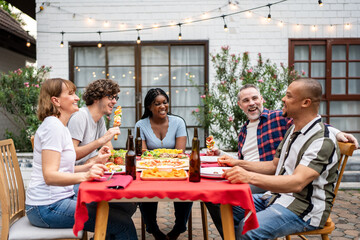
<point>207,191</point>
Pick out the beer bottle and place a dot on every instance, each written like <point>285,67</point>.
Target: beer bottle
<point>194,170</point>
<point>127,140</point>
<point>138,142</point>
<point>130,158</point>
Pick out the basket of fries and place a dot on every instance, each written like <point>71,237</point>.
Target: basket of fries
<point>164,174</point>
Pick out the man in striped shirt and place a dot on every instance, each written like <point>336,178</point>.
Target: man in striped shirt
<point>305,163</point>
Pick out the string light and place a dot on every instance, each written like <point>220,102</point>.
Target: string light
<point>269,15</point>
<point>99,43</point>
<point>180,37</point>
<point>106,24</point>
<point>203,17</point>
<point>313,28</point>
<point>138,41</point>
<point>28,44</point>
<point>320,3</point>
<point>62,39</point>
<point>225,26</point>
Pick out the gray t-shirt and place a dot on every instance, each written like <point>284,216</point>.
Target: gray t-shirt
<point>83,128</point>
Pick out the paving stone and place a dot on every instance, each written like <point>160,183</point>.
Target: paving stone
<point>354,233</point>
<point>345,226</point>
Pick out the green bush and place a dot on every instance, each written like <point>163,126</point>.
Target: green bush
<point>219,112</point>
<point>19,91</point>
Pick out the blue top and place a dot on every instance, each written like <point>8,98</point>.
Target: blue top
<point>176,129</point>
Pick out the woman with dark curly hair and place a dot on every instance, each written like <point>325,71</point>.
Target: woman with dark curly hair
<point>87,126</point>
<point>159,129</point>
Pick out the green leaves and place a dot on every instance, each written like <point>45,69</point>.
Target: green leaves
<point>19,91</point>
<point>219,112</point>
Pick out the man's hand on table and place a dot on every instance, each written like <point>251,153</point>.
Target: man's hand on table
<point>237,175</point>
<point>227,161</point>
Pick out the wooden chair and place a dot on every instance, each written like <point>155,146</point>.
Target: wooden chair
<point>346,150</point>
<point>15,225</point>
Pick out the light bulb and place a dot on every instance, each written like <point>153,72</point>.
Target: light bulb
<point>180,37</point>
<point>138,41</point>
<point>99,45</point>
<point>225,28</point>
<point>269,17</point>
<point>62,44</point>
<point>28,44</point>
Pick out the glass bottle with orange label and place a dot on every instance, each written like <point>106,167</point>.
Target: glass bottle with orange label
<point>130,158</point>
<point>194,169</point>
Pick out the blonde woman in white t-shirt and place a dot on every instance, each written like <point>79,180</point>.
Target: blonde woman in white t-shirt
<point>50,197</point>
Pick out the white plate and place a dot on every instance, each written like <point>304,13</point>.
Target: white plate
<point>209,159</point>
<point>122,171</point>
<point>212,172</point>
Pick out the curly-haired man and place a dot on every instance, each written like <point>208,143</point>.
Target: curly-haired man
<point>87,126</point>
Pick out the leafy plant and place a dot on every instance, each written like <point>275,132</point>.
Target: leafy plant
<point>17,16</point>
<point>219,112</point>
<point>19,91</point>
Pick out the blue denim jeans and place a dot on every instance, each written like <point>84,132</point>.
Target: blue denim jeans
<point>61,215</point>
<point>182,213</point>
<point>274,220</point>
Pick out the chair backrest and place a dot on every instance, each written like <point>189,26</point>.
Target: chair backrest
<point>346,150</point>
<point>12,192</point>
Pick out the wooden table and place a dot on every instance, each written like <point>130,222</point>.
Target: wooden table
<point>214,191</point>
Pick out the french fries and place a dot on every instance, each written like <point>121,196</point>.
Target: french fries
<point>156,173</point>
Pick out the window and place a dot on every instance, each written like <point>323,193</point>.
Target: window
<point>335,63</point>
<point>137,68</point>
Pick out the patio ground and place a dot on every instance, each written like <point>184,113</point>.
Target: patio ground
<point>345,214</point>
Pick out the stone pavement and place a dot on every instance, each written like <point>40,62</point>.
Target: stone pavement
<point>345,214</point>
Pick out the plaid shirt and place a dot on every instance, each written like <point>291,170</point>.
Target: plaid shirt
<point>270,131</point>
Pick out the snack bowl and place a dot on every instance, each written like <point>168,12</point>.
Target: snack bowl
<point>160,174</point>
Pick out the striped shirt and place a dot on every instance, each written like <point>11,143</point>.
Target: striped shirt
<point>314,146</point>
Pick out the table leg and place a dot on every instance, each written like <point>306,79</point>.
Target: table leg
<point>204,220</point>
<point>102,215</point>
<point>227,219</point>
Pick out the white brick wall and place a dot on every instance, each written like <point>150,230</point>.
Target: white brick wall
<point>246,34</point>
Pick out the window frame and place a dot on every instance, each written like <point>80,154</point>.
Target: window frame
<point>328,43</point>
<point>137,65</point>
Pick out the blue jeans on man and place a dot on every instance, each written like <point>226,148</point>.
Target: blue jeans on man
<point>274,220</point>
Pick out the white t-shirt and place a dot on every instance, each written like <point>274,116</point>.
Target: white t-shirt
<point>250,149</point>
<point>51,135</point>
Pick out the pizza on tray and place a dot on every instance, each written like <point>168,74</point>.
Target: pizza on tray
<point>163,153</point>
<point>163,163</point>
